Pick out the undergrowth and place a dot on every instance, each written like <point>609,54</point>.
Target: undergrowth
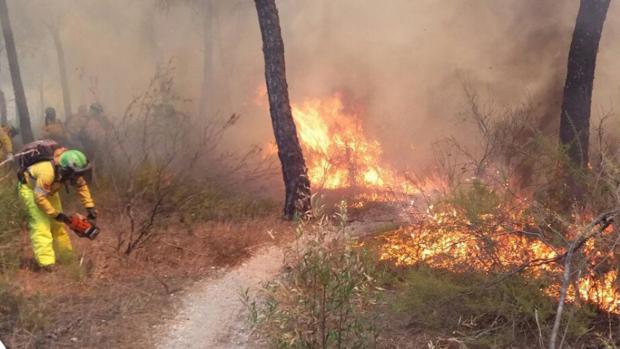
<point>213,204</point>
<point>12,220</point>
<point>22,319</point>
<point>326,297</point>
<point>513,312</point>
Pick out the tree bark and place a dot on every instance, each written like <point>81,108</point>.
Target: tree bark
<point>577,100</point>
<point>294,171</point>
<point>18,87</point>
<point>62,69</point>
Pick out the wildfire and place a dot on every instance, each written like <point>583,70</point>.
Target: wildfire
<point>339,155</point>
<point>444,238</point>
<point>337,151</point>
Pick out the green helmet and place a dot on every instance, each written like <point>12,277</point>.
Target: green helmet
<point>73,160</point>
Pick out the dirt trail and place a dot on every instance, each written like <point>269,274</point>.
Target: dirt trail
<point>211,314</point>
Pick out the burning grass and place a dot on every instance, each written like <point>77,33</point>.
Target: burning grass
<point>501,243</point>
<point>490,268</point>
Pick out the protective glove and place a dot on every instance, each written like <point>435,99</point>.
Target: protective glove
<point>61,217</point>
<point>92,213</point>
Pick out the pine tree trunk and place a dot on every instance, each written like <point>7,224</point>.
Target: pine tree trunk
<point>577,101</point>
<point>62,69</point>
<point>18,87</point>
<point>296,182</point>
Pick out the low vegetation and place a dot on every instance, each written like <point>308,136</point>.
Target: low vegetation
<point>497,259</point>
<point>326,296</point>
<point>166,220</point>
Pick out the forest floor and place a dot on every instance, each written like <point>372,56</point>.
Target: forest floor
<point>211,314</point>
<point>181,290</point>
<point>106,299</point>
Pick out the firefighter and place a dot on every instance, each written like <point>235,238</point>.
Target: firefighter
<point>54,129</point>
<point>38,189</point>
<point>76,125</point>
<point>90,129</point>
<point>97,127</point>
<point>6,143</point>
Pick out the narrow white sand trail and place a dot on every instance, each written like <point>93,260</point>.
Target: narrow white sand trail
<point>212,315</point>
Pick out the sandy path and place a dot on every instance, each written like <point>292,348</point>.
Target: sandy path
<point>211,314</point>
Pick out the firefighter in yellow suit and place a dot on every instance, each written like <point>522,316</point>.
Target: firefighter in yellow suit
<point>46,220</point>
<point>6,144</point>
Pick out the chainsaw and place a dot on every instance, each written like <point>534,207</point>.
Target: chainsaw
<point>83,227</point>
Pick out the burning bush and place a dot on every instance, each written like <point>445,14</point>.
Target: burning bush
<point>499,266</point>
<point>511,231</point>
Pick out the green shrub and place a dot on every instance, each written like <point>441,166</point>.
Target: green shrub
<point>325,298</point>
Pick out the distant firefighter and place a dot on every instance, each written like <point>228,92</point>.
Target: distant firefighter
<point>90,128</point>
<point>7,133</point>
<point>53,128</point>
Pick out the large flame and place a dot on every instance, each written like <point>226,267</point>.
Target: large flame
<point>337,151</point>
<point>339,155</point>
<point>444,238</point>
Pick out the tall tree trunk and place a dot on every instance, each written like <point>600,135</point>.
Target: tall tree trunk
<point>18,87</point>
<point>296,182</point>
<point>62,69</point>
<point>577,100</point>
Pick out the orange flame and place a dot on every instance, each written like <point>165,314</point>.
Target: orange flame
<point>337,151</point>
<point>446,239</point>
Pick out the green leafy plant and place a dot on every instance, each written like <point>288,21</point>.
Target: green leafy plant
<point>324,298</point>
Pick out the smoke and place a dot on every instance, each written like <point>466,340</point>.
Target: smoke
<point>404,62</point>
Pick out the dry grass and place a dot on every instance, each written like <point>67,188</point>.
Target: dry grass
<point>109,300</point>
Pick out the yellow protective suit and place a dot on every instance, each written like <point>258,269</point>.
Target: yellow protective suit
<point>6,144</point>
<point>40,196</point>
